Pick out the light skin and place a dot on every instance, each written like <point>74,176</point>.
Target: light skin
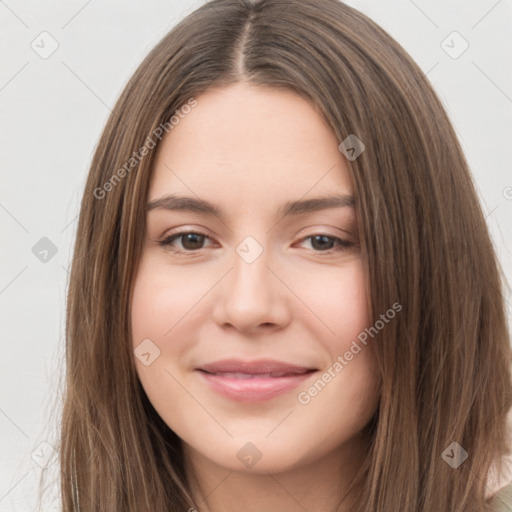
<point>249,150</point>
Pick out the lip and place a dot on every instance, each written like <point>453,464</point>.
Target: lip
<point>253,381</point>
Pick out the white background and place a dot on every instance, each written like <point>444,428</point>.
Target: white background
<point>53,111</point>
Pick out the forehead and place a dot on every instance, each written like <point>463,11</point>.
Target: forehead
<point>250,143</point>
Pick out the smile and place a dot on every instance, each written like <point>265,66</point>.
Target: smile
<point>252,387</point>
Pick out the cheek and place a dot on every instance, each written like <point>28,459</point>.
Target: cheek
<point>338,298</point>
<point>160,301</point>
<point>162,311</point>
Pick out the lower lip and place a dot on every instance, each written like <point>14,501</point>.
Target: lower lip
<point>255,389</point>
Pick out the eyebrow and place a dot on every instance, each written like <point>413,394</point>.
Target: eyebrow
<point>183,203</point>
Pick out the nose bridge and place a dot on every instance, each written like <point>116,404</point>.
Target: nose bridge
<point>250,281</point>
<point>251,267</point>
<point>251,294</point>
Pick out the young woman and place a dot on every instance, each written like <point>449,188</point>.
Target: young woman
<point>283,294</point>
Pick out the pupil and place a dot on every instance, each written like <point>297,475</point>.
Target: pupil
<point>325,239</point>
<point>193,238</point>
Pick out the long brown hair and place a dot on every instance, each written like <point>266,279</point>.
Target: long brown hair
<point>444,361</point>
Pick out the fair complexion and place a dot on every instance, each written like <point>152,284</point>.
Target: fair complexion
<point>249,151</point>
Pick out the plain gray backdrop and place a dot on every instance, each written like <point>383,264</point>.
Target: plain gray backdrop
<point>63,66</point>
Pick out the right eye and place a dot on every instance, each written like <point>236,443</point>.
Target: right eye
<point>191,241</point>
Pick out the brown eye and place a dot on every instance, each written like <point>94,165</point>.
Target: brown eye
<point>326,244</point>
<point>190,241</point>
<point>322,242</point>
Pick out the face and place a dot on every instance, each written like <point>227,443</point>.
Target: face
<point>249,295</point>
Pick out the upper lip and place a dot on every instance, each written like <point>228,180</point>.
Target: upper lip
<point>261,366</point>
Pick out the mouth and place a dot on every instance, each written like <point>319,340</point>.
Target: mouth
<point>239,375</point>
<point>253,381</point>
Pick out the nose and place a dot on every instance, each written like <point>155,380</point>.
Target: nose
<point>252,296</point>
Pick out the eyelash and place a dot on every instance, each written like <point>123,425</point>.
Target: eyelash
<point>166,242</point>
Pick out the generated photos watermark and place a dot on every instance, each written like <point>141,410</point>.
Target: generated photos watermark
<point>137,156</point>
<point>305,397</point>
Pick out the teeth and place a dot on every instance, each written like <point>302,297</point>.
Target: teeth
<point>250,375</point>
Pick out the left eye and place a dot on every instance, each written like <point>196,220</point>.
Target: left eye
<point>320,242</point>
<point>191,241</point>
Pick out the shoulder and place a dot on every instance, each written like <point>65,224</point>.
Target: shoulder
<point>502,499</point>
